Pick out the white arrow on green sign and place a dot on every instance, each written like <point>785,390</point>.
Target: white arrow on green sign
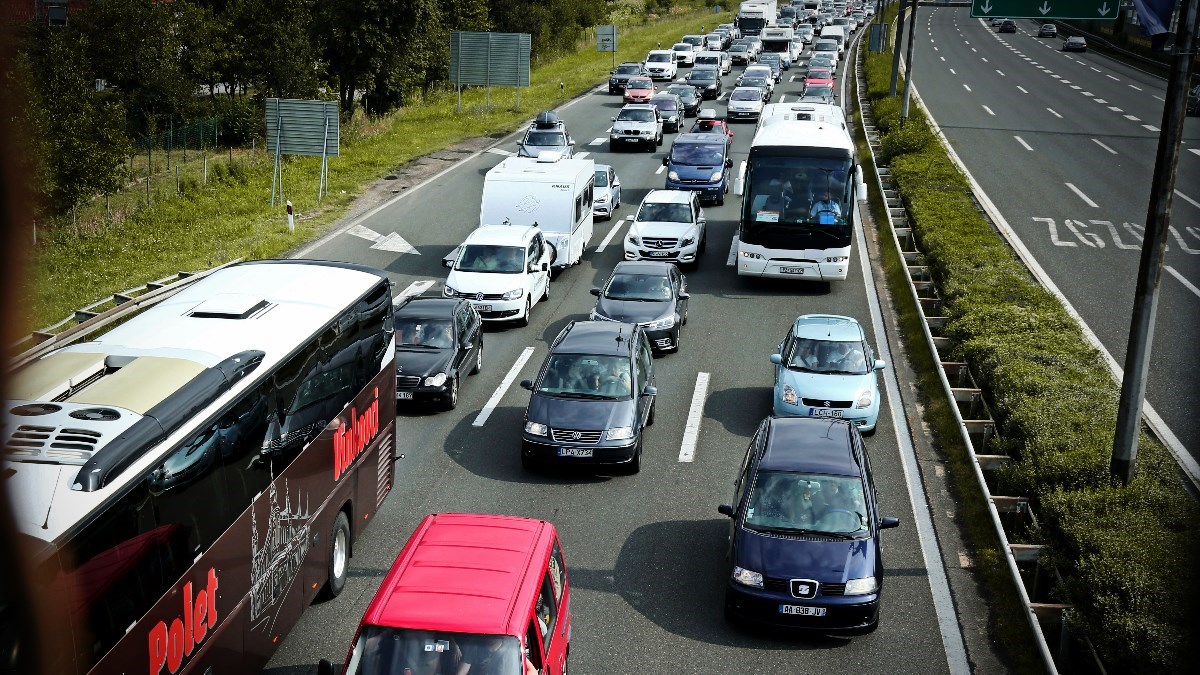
<point>1096,10</point>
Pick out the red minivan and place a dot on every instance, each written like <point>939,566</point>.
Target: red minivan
<point>469,595</point>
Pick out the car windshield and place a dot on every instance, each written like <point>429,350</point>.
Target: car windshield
<point>659,58</point>
<point>703,75</point>
<point>424,333</point>
<point>636,115</point>
<point>757,71</point>
<point>492,259</point>
<point>819,74</point>
<point>640,83</point>
<point>824,91</point>
<point>739,48</point>
<point>698,154</point>
<point>397,650</point>
<point>655,212</point>
<point>823,46</point>
<point>686,93</point>
<point>785,501</point>
<point>745,95</point>
<point>769,57</point>
<point>601,178</point>
<point>553,139</point>
<point>628,70</point>
<point>760,82</point>
<point>586,376</point>
<point>682,47</point>
<point>667,104</point>
<point>834,357</point>
<point>641,287</point>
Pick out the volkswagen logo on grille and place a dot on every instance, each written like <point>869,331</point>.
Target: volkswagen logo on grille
<point>574,435</point>
<point>479,296</point>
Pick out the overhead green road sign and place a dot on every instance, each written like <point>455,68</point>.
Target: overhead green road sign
<point>1096,10</point>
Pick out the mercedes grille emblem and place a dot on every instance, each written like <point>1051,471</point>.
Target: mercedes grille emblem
<point>479,296</point>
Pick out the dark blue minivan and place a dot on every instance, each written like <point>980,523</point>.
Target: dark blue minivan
<point>699,162</point>
<point>804,547</point>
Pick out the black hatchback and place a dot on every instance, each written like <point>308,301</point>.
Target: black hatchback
<point>592,399</point>
<point>438,340</point>
<point>649,293</point>
<point>804,547</point>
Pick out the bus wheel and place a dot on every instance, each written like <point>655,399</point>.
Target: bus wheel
<point>339,556</point>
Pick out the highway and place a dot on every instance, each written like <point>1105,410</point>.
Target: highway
<point>1064,145</point>
<point>644,553</point>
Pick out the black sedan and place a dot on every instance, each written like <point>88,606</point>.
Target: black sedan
<point>438,340</point>
<point>804,550</point>
<point>670,108</point>
<point>592,399</point>
<point>707,81</point>
<point>690,97</point>
<point>1075,43</point>
<point>649,293</point>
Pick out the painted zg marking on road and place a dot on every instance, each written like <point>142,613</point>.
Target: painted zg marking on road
<point>1090,239</point>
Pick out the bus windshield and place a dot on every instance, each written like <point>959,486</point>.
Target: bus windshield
<point>797,201</point>
<point>400,650</point>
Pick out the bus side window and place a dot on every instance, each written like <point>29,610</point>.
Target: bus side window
<point>189,492</point>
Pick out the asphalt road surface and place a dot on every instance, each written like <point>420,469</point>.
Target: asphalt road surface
<point>644,554</point>
<point>1064,145</point>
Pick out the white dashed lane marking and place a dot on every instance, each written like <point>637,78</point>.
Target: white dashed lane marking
<point>1099,143</point>
<point>1087,200</point>
<point>691,430</point>
<point>1052,112</point>
<point>494,401</point>
<point>1023,143</point>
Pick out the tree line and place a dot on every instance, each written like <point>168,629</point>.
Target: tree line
<point>193,59</point>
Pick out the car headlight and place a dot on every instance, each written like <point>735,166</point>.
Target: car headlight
<point>660,324</point>
<point>435,380</point>
<point>861,586</point>
<point>673,175</point>
<point>746,577</point>
<point>865,399</point>
<point>448,292</point>
<point>789,395</point>
<point>647,132</point>
<point>601,199</point>
<point>513,294</point>
<point>536,428</point>
<point>619,433</point>
<point>716,176</point>
<point>688,240</point>
<point>633,239</point>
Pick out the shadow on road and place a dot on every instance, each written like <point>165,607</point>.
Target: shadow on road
<point>739,409</point>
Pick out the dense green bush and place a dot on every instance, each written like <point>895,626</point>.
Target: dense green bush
<point>1128,554</point>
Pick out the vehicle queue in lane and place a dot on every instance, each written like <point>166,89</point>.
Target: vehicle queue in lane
<point>630,373</point>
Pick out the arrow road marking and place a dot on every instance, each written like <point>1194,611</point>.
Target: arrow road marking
<point>394,243</point>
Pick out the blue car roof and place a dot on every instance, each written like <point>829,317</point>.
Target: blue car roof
<point>827,327</point>
<point>809,445</point>
<point>595,337</point>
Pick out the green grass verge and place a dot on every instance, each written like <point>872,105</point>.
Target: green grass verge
<point>1007,624</point>
<point>231,217</point>
<point>1128,553</point>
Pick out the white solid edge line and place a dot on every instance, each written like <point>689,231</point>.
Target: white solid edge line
<point>611,233</point>
<point>1189,285</point>
<point>691,430</point>
<point>330,235</point>
<point>1079,193</point>
<point>939,584</point>
<point>494,401</point>
<point>1185,460</point>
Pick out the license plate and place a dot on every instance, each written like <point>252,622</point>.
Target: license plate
<point>801,610</point>
<point>574,452</point>
<point>404,395</point>
<point>658,254</point>
<point>791,270</point>
<point>824,412</point>
<point>483,308</point>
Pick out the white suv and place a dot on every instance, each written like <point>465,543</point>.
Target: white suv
<point>660,63</point>
<point>504,270</point>
<point>669,226</point>
<point>636,124</point>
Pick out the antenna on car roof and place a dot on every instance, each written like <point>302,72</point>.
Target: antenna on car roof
<point>620,335</point>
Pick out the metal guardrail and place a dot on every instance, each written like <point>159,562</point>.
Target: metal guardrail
<point>101,313</point>
<point>976,426</point>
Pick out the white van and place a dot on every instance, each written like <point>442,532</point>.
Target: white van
<point>553,194</point>
<point>835,33</point>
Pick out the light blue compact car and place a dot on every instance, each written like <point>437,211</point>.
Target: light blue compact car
<point>825,368</point>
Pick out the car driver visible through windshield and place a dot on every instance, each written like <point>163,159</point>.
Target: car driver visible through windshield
<point>586,376</point>
<point>491,259</point>
<point>639,287</point>
<point>828,356</point>
<point>786,502</point>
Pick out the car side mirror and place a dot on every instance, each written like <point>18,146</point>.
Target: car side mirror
<point>650,391</point>
<point>448,263</point>
<point>888,523</point>
<point>324,667</point>
<point>777,359</point>
<point>613,119</point>
<point>665,160</point>
<point>526,384</point>
<point>595,292</point>
<point>571,142</point>
<point>728,163</point>
<point>880,364</point>
<point>545,267</point>
<point>725,510</point>
<point>684,295</point>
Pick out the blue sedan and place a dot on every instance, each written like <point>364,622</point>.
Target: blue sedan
<point>825,368</point>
